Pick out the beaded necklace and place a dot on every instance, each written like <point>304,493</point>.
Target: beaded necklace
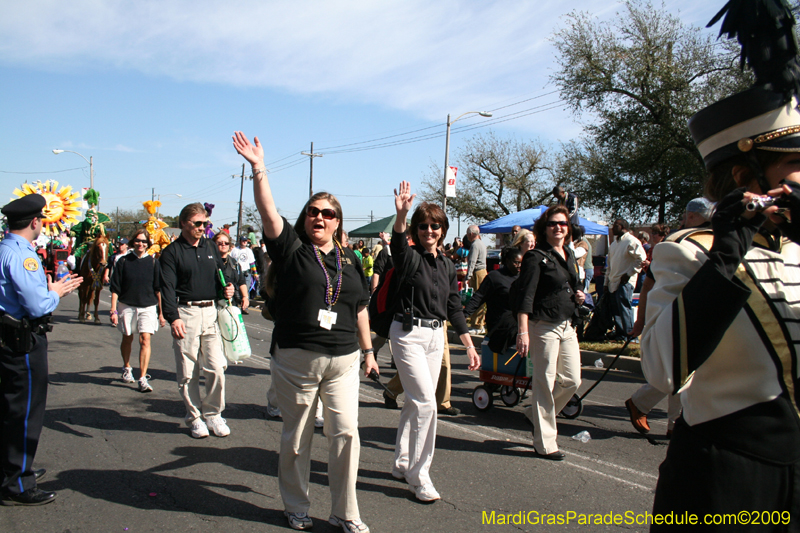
<point>331,295</point>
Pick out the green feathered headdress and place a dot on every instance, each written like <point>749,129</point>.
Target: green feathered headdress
<point>92,197</point>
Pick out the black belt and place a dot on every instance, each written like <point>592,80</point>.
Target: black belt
<point>433,323</point>
<point>204,303</point>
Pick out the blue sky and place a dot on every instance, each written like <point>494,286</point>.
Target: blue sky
<point>153,91</point>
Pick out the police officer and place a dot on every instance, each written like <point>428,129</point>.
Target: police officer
<point>27,299</point>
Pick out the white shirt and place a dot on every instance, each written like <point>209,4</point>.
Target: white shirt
<point>243,256</point>
<point>625,256</point>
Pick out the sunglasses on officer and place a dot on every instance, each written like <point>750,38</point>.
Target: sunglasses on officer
<point>327,214</point>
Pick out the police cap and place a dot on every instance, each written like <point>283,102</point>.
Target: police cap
<point>29,206</point>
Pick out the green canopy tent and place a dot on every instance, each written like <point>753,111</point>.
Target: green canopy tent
<point>373,229</point>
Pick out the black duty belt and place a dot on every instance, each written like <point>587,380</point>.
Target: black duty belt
<point>433,323</point>
<point>204,303</point>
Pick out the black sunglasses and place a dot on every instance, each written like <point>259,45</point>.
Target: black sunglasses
<point>223,243</point>
<point>554,223</point>
<point>434,226</point>
<point>327,214</point>
<point>199,223</point>
<point>138,241</point>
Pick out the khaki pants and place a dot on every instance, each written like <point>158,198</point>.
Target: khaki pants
<point>301,377</point>
<point>556,377</point>
<point>442,386</point>
<point>478,318</point>
<point>200,348</point>
<point>418,356</point>
<point>647,396</point>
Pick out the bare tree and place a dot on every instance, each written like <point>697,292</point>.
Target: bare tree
<point>496,177</point>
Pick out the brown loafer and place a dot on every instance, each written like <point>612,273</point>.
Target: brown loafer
<point>638,419</point>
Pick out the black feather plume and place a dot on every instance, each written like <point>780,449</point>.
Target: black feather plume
<point>765,29</point>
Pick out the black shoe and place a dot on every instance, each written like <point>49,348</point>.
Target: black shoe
<point>29,497</point>
<point>245,313</point>
<point>555,456</point>
<point>389,403</point>
<point>450,411</point>
<point>39,474</point>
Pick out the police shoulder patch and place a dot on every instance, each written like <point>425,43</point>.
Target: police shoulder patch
<point>31,264</point>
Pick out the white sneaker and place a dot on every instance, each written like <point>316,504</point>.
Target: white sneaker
<point>127,374</point>
<point>398,475</point>
<point>299,521</point>
<point>425,493</point>
<point>199,428</point>
<point>351,526</point>
<point>272,411</point>
<point>218,426</point>
<point>319,422</point>
<point>144,386</point>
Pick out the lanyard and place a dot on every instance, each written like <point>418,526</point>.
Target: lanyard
<point>331,295</point>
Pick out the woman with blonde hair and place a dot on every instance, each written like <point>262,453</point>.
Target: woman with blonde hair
<point>524,240</point>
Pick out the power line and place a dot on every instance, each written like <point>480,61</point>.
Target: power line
<point>48,172</point>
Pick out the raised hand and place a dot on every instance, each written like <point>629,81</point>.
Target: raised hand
<point>404,200</point>
<point>254,154</point>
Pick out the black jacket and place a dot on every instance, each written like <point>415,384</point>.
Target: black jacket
<point>547,284</point>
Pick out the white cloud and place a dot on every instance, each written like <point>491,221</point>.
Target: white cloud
<point>425,57</point>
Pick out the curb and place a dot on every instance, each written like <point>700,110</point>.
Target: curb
<point>588,357</point>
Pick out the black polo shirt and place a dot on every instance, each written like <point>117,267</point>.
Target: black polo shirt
<point>189,273</point>
<point>300,295</point>
<point>435,294</point>
<point>548,283</point>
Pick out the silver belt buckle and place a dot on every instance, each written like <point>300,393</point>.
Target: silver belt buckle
<point>435,323</point>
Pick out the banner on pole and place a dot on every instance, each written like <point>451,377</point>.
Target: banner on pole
<point>450,189</point>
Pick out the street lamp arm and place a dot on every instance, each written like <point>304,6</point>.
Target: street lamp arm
<point>70,151</point>
<point>481,113</point>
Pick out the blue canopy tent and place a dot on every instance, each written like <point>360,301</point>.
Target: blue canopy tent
<point>526,219</point>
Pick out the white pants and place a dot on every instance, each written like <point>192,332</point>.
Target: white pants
<point>302,378</point>
<point>647,397</point>
<point>556,377</point>
<point>200,348</point>
<point>418,357</point>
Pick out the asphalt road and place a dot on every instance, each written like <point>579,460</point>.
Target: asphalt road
<point>123,461</point>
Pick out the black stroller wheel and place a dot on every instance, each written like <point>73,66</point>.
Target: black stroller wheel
<point>573,409</point>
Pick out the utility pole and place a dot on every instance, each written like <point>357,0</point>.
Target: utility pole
<point>154,194</point>
<point>311,155</point>
<point>239,223</point>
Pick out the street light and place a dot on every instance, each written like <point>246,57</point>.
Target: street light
<point>91,167</point>
<point>171,194</point>
<point>447,151</point>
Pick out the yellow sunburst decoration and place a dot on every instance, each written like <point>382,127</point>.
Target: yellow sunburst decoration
<point>62,208</point>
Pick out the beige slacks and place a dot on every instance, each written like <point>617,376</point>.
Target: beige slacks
<point>301,377</point>
<point>201,348</point>
<point>478,318</point>
<point>556,377</point>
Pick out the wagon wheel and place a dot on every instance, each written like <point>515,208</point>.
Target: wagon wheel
<point>510,395</point>
<point>482,398</point>
<point>573,409</point>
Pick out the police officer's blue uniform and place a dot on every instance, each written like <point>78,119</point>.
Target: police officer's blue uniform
<point>23,374</point>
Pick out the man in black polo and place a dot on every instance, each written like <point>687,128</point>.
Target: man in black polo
<point>190,281</point>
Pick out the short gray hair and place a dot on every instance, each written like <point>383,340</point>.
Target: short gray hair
<point>473,230</point>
